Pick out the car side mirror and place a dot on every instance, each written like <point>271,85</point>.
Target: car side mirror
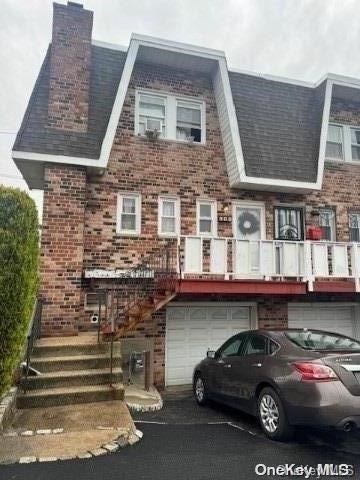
<point>211,354</point>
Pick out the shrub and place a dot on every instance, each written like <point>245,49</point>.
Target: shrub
<point>19,259</point>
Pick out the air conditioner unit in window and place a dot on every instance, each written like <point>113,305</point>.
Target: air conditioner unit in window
<point>153,128</point>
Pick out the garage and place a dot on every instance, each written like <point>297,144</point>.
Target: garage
<point>327,316</point>
<point>192,330</point>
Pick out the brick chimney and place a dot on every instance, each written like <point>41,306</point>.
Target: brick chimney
<point>70,67</point>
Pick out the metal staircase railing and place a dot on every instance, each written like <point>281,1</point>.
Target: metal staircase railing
<point>34,332</point>
<point>143,288</point>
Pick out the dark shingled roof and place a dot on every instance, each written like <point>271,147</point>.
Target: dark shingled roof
<point>35,136</point>
<point>279,125</point>
<point>279,122</point>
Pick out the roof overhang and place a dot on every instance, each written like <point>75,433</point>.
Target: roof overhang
<point>185,56</point>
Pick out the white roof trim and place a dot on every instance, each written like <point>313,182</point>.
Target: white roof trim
<point>218,56</point>
<point>44,157</point>
<point>177,46</point>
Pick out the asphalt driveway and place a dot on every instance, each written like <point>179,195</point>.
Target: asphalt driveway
<point>184,441</point>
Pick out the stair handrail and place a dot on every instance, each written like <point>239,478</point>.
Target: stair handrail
<point>34,332</point>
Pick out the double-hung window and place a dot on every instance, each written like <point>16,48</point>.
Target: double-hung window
<point>152,114</point>
<point>335,143</point>
<point>129,214</point>
<point>355,144</point>
<point>172,117</point>
<point>169,216</point>
<point>206,218</point>
<point>327,223</point>
<point>188,121</point>
<point>354,226</point>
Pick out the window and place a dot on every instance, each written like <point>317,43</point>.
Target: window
<point>355,144</point>
<point>176,118</point>
<point>334,144</point>
<point>273,347</point>
<point>289,224</point>
<point>256,345</point>
<point>327,222</point>
<point>206,218</point>
<point>169,216</point>
<point>129,214</point>
<point>152,110</point>
<point>233,347</point>
<point>320,340</point>
<point>354,226</point>
<point>188,121</point>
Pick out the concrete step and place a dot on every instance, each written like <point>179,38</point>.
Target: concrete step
<point>74,362</point>
<point>73,378</point>
<point>70,395</point>
<point>41,350</point>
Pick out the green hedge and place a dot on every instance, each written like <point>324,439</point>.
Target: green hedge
<point>19,259</point>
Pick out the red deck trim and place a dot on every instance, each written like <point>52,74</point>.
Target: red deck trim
<point>334,286</point>
<point>258,287</point>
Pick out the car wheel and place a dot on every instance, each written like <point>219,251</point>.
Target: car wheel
<point>272,416</point>
<point>200,390</point>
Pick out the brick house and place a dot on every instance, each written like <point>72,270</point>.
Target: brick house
<point>157,142</point>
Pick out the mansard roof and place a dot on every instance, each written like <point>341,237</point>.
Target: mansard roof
<point>273,129</point>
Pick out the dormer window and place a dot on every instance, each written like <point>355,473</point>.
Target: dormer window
<point>355,144</point>
<point>334,144</point>
<point>152,110</point>
<point>170,116</point>
<point>343,143</point>
<point>188,121</point>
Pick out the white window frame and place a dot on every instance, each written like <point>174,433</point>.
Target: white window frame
<point>171,102</point>
<point>137,198</point>
<point>342,143</point>
<point>347,143</point>
<point>354,144</point>
<point>176,200</point>
<point>355,212</point>
<point>333,223</point>
<point>137,111</point>
<point>246,204</point>
<point>213,218</point>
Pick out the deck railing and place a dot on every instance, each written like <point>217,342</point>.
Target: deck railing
<point>269,259</point>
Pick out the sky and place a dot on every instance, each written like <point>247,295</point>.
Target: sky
<point>301,39</point>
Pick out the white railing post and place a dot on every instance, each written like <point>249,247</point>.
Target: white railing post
<point>308,269</point>
<point>355,265</point>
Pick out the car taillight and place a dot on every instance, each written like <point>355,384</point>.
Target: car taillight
<point>315,372</point>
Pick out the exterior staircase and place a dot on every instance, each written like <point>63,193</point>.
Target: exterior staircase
<point>72,370</point>
<point>142,291</point>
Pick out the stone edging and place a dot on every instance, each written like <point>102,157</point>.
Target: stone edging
<point>7,406</point>
<point>130,438</point>
<point>139,407</point>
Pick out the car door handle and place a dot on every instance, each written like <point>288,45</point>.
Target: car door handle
<point>257,365</point>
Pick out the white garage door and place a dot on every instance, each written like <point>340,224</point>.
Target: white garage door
<point>334,318</point>
<point>192,330</point>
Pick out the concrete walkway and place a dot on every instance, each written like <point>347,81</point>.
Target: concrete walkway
<point>65,431</point>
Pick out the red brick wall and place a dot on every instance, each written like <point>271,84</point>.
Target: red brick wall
<point>70,68</point>
<point>62,245</point>
<point>190,172</point>
<point>163,167</point>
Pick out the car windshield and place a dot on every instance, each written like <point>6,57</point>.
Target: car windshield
<point>316,340</point>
